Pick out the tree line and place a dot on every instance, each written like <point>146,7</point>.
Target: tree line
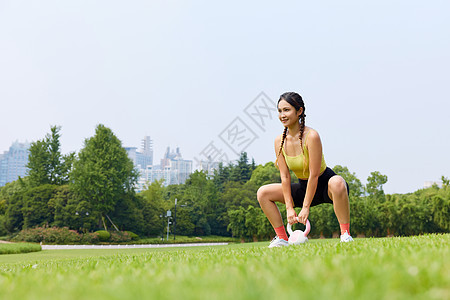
<point>94,189</point>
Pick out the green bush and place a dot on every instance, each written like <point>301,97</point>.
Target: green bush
<point>64,236</point>
<point>103,235</point>
<point>3,230</point>
<point>52,235</point>
<point>90,238</point>
<point>134,236</point>
<point>120,237</point>
<point>34,235</point>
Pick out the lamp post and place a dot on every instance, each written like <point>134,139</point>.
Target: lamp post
<point>175,218</point>
<point>162,230</point>
<point>168,215</point>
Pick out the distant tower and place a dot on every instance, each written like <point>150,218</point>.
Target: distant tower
<point>175,169</point>
<point>13,162</point>
<point>146,157</point>
<point>147,146</point>
<point>142,160</point>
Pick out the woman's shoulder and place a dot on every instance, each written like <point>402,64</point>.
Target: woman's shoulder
<point>278,140</point>
<point>312,135</point>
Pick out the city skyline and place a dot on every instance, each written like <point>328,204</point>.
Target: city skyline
<point>173,169</point>
<point>13,162</point>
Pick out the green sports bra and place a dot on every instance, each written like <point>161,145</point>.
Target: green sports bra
<point>300,164</point>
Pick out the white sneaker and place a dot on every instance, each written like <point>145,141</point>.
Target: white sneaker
<point>345,238</point>
<point>277,242</point>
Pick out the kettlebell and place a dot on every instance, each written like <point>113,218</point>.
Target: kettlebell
<point>298,237</point>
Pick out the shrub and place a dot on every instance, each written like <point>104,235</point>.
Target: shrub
<point>65,236</point>
<point>103,235</point>
<point>134,236</point>
<point>120,237</point>
<point>52,235</point>
<point>61,236</point>
<point>35,235</point>
<point>90,238</point>
<point>3,230</point>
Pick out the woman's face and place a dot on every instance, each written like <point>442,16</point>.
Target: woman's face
<point>287,113</point>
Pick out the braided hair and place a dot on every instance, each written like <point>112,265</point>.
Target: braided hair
<point>296,101</point>
<point>282,141</point>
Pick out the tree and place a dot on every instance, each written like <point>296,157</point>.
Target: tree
<point>257,225</point>
<point>441,211</point>
<point>128,214</point>
<point>11,188</point>
<point>252,222</point>
<point>153,208</point>
<point>11,196</point>
<point>35,206</point>
<point>3,230</point>
<point>69,211</point>
<point>200,196</point>
<point>355,186</point>
<point>374,186</point>
<point>237,195</point>
<point>103,173</point>
<point>265,174</point>
<point>365,217</point>
<point>389,215</point>
<point>46,164</point>
<point>221,176</point>
<point>265,229</point>
<point>38,160</point>
<point>323,220</point>
<point>243,170</point>
<point>237,223</point>
<point>2,206</point>
<point>13,220</point>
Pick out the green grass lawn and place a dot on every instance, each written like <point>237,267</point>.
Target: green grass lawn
<point>387,268</point>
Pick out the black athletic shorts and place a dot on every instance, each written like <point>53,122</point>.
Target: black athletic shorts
<point>298,190</point>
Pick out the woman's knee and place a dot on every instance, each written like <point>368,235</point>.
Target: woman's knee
<point>337,185</point>
<point>261,194</point>
<point>270,192</point>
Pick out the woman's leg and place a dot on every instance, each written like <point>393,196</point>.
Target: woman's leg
<point>337,191</point>
<point>267,196</point>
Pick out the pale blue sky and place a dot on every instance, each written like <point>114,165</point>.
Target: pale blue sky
<point>374,76</point>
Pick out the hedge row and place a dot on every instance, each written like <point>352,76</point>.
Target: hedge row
<point>65,236</point>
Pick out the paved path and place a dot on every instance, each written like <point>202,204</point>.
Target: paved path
<point>62,247</point>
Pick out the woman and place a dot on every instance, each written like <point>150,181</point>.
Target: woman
<point>299,149</point>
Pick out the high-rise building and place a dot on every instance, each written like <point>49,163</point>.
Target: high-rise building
<point>13,162</point>
<point>173,168</point>
<point>147,146</point>
<point>142,157</point>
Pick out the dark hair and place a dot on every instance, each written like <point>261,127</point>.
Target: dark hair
<point>293,99</point>
<point>296,101</point>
